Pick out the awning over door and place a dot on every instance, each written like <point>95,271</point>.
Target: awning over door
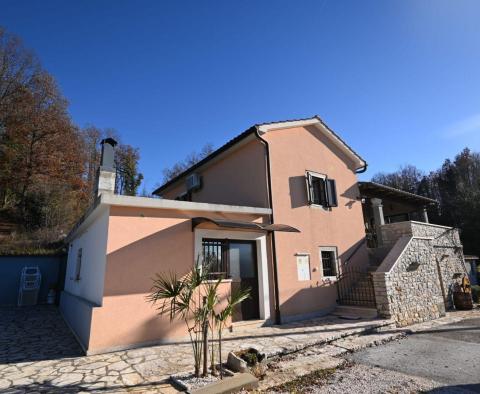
<point>238,224</point>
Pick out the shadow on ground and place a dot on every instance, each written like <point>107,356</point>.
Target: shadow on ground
<point>460,389</point>
<point>48,387</point>
<point>35,333</point>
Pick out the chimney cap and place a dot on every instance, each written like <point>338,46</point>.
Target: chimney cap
<point>109,141</point>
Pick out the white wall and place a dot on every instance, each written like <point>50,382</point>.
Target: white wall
<point>78,315</point>
<point>93,241</point>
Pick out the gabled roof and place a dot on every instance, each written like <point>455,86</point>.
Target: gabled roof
<point>263,128</point>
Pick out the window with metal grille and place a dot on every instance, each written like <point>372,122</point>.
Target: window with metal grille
<point>328,263</point>
<point>215,257</point>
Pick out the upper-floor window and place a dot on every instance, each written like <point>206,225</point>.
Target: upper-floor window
<point>321,190</point>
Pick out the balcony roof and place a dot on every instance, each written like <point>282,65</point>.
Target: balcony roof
<point>376,190</point>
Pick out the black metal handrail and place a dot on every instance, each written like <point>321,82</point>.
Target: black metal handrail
<point>355,288</point>
<point>357,248</point>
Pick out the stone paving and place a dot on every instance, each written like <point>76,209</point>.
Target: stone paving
<point>39,355</point>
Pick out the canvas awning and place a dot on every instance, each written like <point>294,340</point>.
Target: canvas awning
<point>242,225</point>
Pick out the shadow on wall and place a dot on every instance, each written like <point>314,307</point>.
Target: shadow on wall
<point>310,301</point>
<point>352,194</point>
<point>131,269</point>
<point>356,257</point>
<point>298,191</point>
<point>159,328</point>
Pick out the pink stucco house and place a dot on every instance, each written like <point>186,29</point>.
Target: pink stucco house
<point>281,208</point>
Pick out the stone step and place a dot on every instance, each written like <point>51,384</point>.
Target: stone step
<point>355,312</point>
<point>245,325</point>
<point>359,303</point>
<point>235,384</point>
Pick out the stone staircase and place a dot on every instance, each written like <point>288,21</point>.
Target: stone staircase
<point>355,286</point>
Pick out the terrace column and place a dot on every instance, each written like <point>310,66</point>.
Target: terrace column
<point>378,211</point>
<point>378,218</point>
<point>425,215</point>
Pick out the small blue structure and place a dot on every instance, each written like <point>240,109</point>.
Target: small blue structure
<point>52,270</point>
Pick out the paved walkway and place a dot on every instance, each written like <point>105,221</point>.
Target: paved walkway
<point>38,354</point>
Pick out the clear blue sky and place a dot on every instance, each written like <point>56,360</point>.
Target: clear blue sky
<point>398,80</point>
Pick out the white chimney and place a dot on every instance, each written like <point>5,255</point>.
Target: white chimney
<point>106,172</point>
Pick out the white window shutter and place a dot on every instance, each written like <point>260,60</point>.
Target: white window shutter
<point>308,180</point>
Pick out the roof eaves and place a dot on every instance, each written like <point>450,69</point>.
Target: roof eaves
<point>363,161</point>
<point>399,191</point>
<point>243,135</point>
<point>205,160</point>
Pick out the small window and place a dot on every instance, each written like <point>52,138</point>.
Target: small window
<point>216,258</point>
<point>321,190</point>
<point>303,267</point>
<point>328,259</point>
<point>78,266</point>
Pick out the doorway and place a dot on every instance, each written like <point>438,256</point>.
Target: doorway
<point>236,260</point>
<point>244,274</point>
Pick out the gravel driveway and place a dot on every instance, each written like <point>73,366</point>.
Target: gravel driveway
<point>363,379</point>
<point>448,354</point>
<point>440,356</point>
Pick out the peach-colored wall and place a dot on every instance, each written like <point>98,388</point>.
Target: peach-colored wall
<point>126,320</point>
<point>292,153</point>
<point>237,179</point>
<point>141,243</point>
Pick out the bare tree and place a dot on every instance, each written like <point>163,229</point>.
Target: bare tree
<point>190,160</point>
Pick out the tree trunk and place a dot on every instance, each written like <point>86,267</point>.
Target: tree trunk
<point>212,360</point>
<point>220,352</point>
<point>205,348</point>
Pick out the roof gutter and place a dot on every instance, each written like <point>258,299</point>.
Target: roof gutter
<point>278,317</point>
<point>361,170</point>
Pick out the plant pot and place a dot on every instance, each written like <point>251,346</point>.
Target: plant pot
<point>462,301</point>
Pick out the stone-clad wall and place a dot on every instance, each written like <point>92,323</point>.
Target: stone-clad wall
<point>390,233</point>
<point>414,282</point>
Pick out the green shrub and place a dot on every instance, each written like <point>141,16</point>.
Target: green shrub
<point>476,293</point>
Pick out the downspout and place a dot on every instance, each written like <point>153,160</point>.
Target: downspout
<point>278,318</point>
